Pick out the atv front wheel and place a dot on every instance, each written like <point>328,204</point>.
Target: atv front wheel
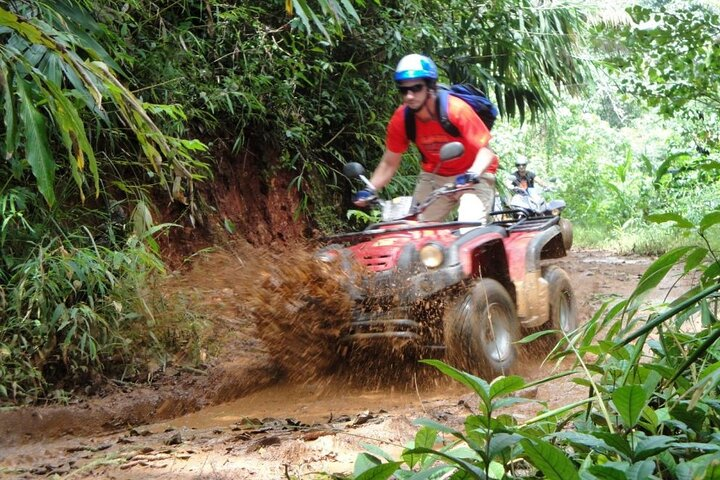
<point>566,230</point>
<point>481,329</point>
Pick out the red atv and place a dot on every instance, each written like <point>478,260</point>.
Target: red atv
<point>426,287</point>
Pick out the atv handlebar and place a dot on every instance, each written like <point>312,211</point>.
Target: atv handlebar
<point>445,190</point>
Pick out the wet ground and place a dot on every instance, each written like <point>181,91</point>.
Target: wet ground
<point>239,418</point>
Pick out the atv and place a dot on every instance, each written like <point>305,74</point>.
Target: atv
<point>465,291</point>
<point>530,202</point>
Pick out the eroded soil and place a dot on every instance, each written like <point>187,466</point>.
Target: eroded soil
<point>240,417</point>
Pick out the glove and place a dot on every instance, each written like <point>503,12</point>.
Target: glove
<point>466,178</point>
<point>364,197</point>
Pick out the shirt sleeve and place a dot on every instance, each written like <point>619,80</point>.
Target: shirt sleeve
<point>396,138</point>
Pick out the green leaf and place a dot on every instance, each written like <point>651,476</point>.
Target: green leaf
<point>504,385</point>
<point>550,460</point>
<point>695,258</point>
<point>425,438</point>
<point>582,439</point>
<point>694,418</point>
<point>37,147</point>
<point>629,402</point>
<point>658,269</point>
<point>478,385</point>
<point>378,472</point>
<point>680,221</point>
<point>653,445</point>
<point>609,471</point>
<point>702,467</point>
<point>712,218</point>
<point>640,470</point>
<point>500,442</point>
<point>616,442</point>
<point>432,473</point>
<point>377,452</point>
<point>534,336</point>
<point>471,470</point>
<point>9,118</point>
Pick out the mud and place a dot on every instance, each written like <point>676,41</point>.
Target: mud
<point>244,416</point>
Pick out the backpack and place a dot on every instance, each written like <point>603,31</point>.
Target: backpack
<point>473,96</point>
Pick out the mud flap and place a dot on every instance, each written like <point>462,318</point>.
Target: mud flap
<point>533,300</point>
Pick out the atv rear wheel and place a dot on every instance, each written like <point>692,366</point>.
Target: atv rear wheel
<point>481,329</point>
<point>563,308</point>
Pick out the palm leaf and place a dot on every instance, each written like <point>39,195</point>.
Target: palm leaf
<point>37,148</point>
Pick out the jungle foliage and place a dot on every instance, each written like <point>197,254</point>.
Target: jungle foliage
<point>106,104</point>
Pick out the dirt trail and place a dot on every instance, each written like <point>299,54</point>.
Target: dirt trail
<point>239,419</point>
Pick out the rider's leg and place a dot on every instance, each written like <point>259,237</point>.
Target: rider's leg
<point>475,206</point>
<point>441,207</point>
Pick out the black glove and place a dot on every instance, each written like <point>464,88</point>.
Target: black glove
<point>465,178</point>
<point>364,197</point>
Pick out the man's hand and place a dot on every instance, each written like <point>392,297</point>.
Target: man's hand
<point>364,197</point>
<point>466,178</point>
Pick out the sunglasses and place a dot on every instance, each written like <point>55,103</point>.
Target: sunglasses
<point>417,88</point>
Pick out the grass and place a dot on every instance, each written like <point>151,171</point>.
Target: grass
<point>644,239</point>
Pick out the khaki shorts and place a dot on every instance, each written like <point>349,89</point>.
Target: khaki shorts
<point>473,205</point>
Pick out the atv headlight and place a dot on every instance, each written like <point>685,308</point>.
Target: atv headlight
<point>555,211</point>
<point>432,255</point>
<point>327,256</point>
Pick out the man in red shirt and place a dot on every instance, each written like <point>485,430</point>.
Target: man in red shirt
<point>416,78</point>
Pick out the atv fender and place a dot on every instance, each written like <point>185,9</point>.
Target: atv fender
<point>533,298</point>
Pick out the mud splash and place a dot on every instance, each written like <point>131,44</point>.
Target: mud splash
<point>299,307</point>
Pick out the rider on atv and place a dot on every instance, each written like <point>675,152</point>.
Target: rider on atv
<point>416,79</point>
<point>522,177</point>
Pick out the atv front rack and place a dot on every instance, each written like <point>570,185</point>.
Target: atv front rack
<point>525,224</point>
<point>521,224</point>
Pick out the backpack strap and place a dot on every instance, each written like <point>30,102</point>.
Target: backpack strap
<point>410,124</point>
<point>443,117</point>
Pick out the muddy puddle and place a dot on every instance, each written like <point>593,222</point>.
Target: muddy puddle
<point>312,404</point>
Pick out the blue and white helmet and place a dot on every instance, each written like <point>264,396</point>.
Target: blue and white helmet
<point>414,66</point>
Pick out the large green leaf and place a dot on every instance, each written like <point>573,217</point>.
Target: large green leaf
<point>640,470</point>
<point>9,117</point>
<point>653,445</point>
<point>550,460</point>
<point>478,385</point>
<point>679,220</point>
<point>425,437</point>
<point>658,270</point>
<point>382,471</point>
<point>710,219</point>
<point>72,132</point>
<point>504,385</point>
<point>610,471</point>
<point>37,147</point>
<point>629,402</point>
<point>616,442</point>
<point>472,471</point>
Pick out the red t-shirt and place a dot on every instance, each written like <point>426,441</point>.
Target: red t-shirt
<point>430,136</point>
